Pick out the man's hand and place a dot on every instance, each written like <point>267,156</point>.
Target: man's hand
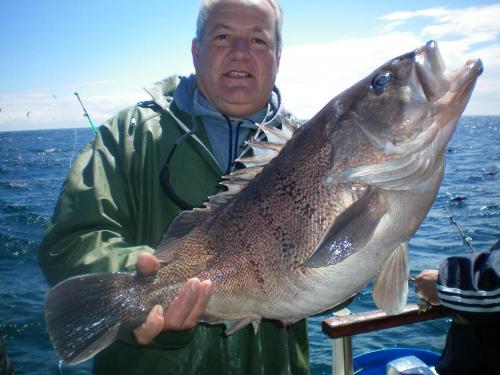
<point>426,286</point>
<point>183,312</point>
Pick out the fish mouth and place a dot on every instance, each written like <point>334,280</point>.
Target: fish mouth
<point>462,81</point>
<point>421,159</point>
<point>448,93</point>
<point>437,83</point>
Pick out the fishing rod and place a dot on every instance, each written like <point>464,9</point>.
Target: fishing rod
<point>85,113</point>
<point>465,240</point>
<point>424,304</point>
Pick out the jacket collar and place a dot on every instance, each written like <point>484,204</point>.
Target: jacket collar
<point>164,91</point>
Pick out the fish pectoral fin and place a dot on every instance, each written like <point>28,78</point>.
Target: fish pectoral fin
<point>235,325</point>
<point>349,232</point>
<point>256,325</point>
<point>390,290</point>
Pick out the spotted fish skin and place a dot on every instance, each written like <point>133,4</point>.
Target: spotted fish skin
<point>319,211</point>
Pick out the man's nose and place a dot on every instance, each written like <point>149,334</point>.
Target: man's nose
<point>240,49</point>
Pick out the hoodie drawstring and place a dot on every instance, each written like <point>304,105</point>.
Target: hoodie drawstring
<point>233,150</point>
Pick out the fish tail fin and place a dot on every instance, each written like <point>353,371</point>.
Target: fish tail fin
<point>85,314</point>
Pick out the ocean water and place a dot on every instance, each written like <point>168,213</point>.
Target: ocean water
<point>33,165</point>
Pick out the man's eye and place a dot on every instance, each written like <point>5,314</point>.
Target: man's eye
<point>221,37</point>
<point>259,42</point>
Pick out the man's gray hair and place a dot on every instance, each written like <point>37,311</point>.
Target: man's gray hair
<point>207,5</point>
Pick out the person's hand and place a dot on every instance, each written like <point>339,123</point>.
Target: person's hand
<point>426,286</point>
<point>184,310</point>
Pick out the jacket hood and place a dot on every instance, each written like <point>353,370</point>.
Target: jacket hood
<point>226,135</point>
<point>189,99</point>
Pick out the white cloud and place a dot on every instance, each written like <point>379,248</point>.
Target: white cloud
<point>90,83</point>
<point>311,75</point>
<point>28,110</point>
<point>453,22</point>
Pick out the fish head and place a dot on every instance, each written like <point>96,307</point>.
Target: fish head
<point>402,117</point>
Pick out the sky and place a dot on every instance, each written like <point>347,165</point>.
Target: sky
<point>107,51</point>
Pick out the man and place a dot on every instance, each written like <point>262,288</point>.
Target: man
<point>468,287</point>
<point>150,162</point>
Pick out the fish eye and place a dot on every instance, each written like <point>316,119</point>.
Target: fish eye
<point>380,81</point>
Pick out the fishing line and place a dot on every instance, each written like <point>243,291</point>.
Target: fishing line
<point>465,240</point>
<point>85,114</point>
<point>424,304</point>
<point>74,149</point>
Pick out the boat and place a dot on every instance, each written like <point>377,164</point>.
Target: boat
<point>391,361</point>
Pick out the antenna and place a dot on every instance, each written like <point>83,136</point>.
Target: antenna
<point>85,113</point>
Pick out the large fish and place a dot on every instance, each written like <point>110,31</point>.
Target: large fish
<point>331,212</point>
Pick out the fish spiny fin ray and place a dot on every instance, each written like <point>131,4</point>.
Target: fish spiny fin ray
<point>390,290</point>
<point>233,326</point>
<point>264,152</point>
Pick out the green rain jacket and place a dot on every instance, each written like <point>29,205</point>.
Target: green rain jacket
<point>112,207</point>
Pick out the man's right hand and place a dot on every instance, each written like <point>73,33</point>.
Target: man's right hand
<point>426,286</point>
<point>183,312</point>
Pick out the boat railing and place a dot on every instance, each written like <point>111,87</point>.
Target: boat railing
<point>342,328</point>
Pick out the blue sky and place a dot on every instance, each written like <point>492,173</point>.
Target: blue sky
<point>108,50</point>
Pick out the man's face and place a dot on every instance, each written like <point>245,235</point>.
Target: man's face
<point>236,61</point>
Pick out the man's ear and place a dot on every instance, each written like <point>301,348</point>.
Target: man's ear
<point>195,50</point>
<point>278,58</point>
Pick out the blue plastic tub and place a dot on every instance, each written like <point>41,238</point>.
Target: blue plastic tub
<point>374,363</point>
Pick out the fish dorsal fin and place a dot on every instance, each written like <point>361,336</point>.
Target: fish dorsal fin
<point>264,152</point>
<point>390,290</point>
<point>181,226</point>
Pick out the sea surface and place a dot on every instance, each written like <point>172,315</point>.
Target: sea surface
<point>33,166</point>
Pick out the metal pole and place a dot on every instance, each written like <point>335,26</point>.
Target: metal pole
<point>342,356</point>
